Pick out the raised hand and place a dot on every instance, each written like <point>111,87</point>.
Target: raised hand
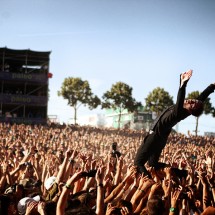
<point>31,207</point>
<point>167,186</point>
<point>68,153</point>
<point>125,211</point>
<point>175,196</point>
<point>99,175</point>
<point>74,154</point>
<point>147,183</point>
<point>110,209</point>
<point>40,207</point>
<point>186,76</point>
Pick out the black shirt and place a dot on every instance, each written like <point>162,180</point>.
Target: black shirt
<point>174,114</point>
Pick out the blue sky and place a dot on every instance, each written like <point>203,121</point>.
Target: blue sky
<point>144,43</point>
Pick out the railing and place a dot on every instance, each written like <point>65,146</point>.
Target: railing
<point>23,99</point>
<point>30,77</point>
<point>20,120</point>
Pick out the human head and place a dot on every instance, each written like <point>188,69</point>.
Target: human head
<point>88,199</point>
<point>80,210</point>
<point>5,203</point>
<point>49,182</point>
<point>194,106</point>
<point>50,207</point>
<point>22,204</point>
<point>155,206</point>
<point>125,203</point>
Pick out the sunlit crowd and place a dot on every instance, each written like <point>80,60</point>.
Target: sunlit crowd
<point>71,169</point>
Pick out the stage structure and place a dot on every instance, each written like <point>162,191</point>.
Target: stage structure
<point>24,79</point>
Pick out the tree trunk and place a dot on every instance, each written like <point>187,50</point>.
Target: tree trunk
<point>75,115</point>
<point>119,119</point>
<point>197,124</point>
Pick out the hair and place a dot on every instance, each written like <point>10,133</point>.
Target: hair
<point>125,203</point>
<point>4,202</point>
<point>155,206</point>
<point>197,109</point>
<point>80,210</point>
<point>33,194</point>
<point>50,207</point>
<point>83,196</point>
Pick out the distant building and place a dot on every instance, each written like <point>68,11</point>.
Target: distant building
<point>209,134</point>
<point>140,119</point>
<point>97,120</point>
<point>24,80</point>
<point>53,119</point>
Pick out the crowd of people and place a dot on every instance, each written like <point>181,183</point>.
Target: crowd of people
<point>70,169</point>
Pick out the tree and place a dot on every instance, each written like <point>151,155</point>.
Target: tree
<point>158,100</point>
<point>120,97</point>
<point>208,109</point>
<point>78,92</point>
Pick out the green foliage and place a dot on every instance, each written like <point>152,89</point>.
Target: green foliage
<point>213,112</point>
<point>119,97</point>
<point>158,100</point>
<point>208,109</point>
<point>78,92</point>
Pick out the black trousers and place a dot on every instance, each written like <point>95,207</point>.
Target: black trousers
<point>150,151</point>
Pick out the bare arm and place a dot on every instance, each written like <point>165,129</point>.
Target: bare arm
<point>3,176</point>
<point>120,186</point>
<point>61,173</point>
<point>100,191</point>
<point>205,197</point>
<point>118,170</point>
<point>61,204</point>
<point>70,164</point>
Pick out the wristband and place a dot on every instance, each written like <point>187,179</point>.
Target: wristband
<point>172,209</point>
<point>71,161</point>
<point>123,183</point>
<point>142,191</point>
<point>211,188</point>
<point>164,198</point>
<point>100,185</point>
<point>68,186</point>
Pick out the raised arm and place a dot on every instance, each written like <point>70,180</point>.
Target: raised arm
<point>61,204</point>
<point>184,78</point>
<point>210,89</point>
<point>61,173</point>
<point>100,191</point>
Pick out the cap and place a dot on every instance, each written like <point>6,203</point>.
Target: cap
<point>22,204</point>
<point>49,182</point>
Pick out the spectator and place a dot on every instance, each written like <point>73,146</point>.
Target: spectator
<point>72,170</point>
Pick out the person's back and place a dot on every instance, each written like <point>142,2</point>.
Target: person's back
<point>209,211</point>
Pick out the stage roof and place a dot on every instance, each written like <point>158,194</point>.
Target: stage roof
<point>24,56</point>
